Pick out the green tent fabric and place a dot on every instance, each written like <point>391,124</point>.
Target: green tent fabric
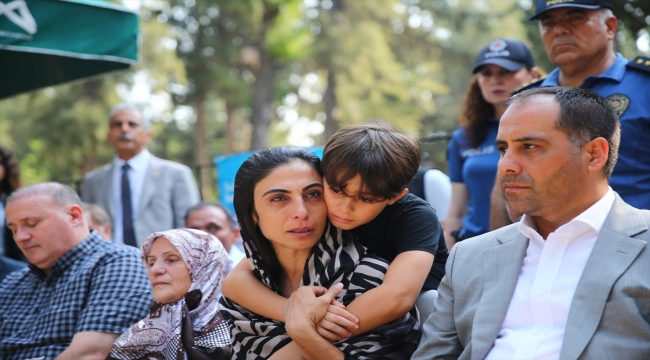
<point>49,42</point>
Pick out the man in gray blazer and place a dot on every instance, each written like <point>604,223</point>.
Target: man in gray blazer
<point>140,192</point>
<point>571,280</point>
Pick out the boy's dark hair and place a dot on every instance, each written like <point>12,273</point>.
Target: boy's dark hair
<point>385,159</point>
<point>584,116</point>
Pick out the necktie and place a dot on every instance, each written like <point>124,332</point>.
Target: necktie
<point>127,209</point>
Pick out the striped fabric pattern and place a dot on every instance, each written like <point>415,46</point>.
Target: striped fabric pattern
<point>337,257</point>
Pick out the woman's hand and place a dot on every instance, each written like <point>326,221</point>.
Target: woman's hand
<point>307,306</point>
<point>338,323</point>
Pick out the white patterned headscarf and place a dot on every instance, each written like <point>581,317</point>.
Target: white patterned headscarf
<point>192,324</point>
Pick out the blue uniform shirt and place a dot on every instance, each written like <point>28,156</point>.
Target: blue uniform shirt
<point>476,168</point>
<point>627,89</point>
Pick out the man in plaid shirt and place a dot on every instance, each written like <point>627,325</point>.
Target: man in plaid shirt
<point>78,293</point>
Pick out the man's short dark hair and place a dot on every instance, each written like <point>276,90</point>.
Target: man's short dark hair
<point>385,159</point>
<point>584,116</point>
<point>206,204</point>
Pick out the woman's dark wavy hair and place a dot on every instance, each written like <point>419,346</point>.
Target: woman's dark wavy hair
<point>475,112</point>
<point>252,171</point>
<point>11,181</point>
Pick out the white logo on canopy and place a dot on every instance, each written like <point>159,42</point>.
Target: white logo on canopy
<point>22,18</point>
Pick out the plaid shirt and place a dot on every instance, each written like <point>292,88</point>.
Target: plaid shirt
<point>97,286</point>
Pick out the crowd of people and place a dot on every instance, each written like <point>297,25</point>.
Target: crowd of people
<point>544,252</point>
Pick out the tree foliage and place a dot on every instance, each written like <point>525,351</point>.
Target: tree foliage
<point>227,76</point>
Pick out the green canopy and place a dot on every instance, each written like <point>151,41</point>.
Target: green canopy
<point>49,42</point>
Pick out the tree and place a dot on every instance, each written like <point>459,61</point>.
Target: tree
<point>59,133</point>
<point>208,36</point>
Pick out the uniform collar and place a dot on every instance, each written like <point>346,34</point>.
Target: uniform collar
<point>615,72</point>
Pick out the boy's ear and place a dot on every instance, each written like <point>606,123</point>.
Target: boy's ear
<point>397,197</point>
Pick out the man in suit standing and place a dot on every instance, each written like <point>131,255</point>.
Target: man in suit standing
<point>570,281</point>
<point>140,192</point>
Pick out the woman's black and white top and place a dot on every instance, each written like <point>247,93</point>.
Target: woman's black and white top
<point>337,257</point>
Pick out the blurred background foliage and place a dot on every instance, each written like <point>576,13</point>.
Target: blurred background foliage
<point>223,76</point>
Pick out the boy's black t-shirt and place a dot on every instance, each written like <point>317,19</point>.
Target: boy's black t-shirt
<point>409,224</point>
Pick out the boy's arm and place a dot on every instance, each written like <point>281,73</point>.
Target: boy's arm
<point>89,345</point>
<point>402,285</point>
<point>291,351</point>
<point>242,287</point>
<point>457,210</point>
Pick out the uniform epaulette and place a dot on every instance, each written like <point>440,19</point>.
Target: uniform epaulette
<point>641,63</point>
<point>530,85</point>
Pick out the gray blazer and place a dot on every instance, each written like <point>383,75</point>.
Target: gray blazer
<point>169,190</point>
<point>609,316</point>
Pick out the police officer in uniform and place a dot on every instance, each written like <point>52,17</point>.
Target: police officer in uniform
<point>578,37</point>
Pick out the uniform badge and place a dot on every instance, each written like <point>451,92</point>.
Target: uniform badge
<point>619,103</point>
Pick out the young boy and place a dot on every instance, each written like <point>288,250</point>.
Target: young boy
<point>367,168</point>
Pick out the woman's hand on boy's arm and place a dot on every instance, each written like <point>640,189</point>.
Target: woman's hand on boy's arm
<point>338,323</point>
<point>304,309</point>
<point>242,287</point>
<point>397,294</point>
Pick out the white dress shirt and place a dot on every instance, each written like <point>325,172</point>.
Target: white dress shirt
<point>137,174</point>
<point>536,319</point>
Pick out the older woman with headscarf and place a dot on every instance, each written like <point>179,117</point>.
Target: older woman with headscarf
<point>186,268</point>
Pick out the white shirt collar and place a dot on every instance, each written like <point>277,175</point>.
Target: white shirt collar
<point>138,162</point>
<point>594,217</point>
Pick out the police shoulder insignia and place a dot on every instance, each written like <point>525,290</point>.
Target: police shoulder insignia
<point>619,102</point>
<point>641,63</point>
